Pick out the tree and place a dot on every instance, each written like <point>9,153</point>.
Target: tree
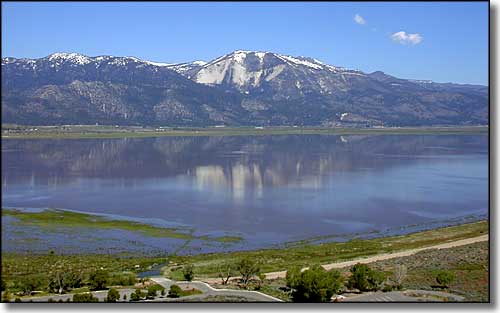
<point>124,296</point>
<point>188,272</point>
<point>153,290</point>
<point>226,271</point>
<point>175,291</point>
<point>364,278</point>
<point>137,295</point>
<point>113,295</point>
<point>292,275</point>
<point>444,278</point>
<point>248,269</point>
<point>314,285</point>
<point>98,279</point>
<point>262,278</point>
<point>399,275</point>
<point>84,297</point>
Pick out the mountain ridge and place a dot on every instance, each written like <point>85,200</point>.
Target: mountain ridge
<point>239,88</point>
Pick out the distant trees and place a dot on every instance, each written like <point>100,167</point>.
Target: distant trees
<point>188,272</point>
<point>113,295</point>
<point>247,268</point>
<point>364,278</point>
<point>445,278</point>
<point>313,285</point>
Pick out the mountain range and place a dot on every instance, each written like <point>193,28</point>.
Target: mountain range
<point>239,88</point>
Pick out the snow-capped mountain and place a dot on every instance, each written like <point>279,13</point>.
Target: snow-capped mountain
<point>239,88</point>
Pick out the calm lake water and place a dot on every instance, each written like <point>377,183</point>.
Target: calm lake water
<point>266,189</point>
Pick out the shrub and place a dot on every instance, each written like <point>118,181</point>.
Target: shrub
<point>18,300</point>
<point>113,295</point>
<point>188,272</point>
<point>444,278</point>
<point>314,285</point>
<point>125,297</point>
<point>84,297</point>
<point>137,295</point>
<point>175,291</point>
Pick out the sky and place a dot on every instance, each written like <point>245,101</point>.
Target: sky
<point>439,41</point>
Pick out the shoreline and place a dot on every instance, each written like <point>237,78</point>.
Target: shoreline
<point>105,132</point>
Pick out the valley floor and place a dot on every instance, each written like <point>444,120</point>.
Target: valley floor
<point>10,131</point>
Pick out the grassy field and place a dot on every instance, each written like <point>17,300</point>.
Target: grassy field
<point>74,131</point>
<point>51,219</point>
<point>207,265</point>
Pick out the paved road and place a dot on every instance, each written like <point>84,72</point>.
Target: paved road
<point>380,257</point>
<point>251,296</point>
<point>210,291</point>
<point>101,295</point>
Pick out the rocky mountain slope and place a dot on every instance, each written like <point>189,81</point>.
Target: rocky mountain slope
<point>240,88</point>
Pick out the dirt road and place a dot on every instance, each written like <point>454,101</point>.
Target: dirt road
<point>380,257</point>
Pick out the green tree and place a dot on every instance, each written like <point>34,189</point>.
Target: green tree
<point>292,275</point>
<point>188,272</point>
<point>247,268</point>
<point>175,291</point>
<point>137,295</point>
<point>84,297</point>
<point>314,285</point>
<point>98,279</point>
<point>364,278</point>
<point>153,290</point>
<point>444,278</point>
<point>125,296</point>
<point>17,299</point>
<point>113,295</point>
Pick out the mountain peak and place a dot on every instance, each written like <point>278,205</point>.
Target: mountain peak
<point>71,57</point>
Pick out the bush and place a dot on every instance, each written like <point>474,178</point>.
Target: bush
<point>125,296</point>
<point>314,285</point>
<point>444,278</point>
<point>18,300</point>
<point>188,272</point>
<point>113,295</point>
<point>98,280</point>
<point>175,291</point>
<point>364,278</point>
<point>84,297</point>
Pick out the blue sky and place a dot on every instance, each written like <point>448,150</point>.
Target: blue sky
<point>441,41</point>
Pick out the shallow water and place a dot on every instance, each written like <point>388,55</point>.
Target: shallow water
<point>267,189</point>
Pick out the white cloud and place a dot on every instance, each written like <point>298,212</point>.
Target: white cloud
<point>404,38</point>
<point>359,19</point>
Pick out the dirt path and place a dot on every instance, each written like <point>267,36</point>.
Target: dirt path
<point>380,257</point>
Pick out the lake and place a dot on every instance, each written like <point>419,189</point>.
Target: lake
<point>268,190</point>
